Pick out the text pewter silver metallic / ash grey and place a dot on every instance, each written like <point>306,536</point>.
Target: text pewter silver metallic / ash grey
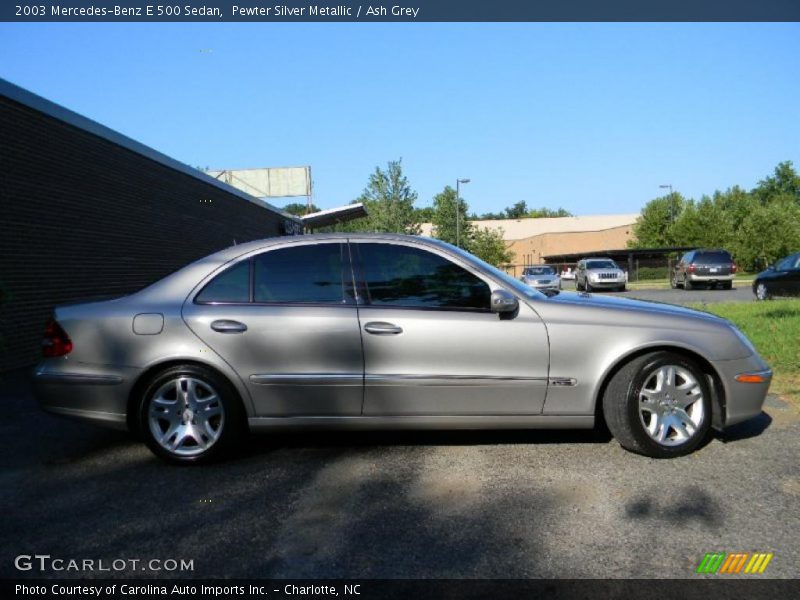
<point>388,331</point>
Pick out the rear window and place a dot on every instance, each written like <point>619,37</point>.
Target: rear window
<point>707,258</point>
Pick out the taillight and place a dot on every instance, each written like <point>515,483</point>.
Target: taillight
<point>690,268</point>
<point>56,342</point>
<point>733,268</point>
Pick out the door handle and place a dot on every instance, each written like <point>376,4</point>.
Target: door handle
<point>227,326</point>
<point>382,328</point>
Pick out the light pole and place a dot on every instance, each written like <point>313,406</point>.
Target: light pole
<point>668,186</point>
<point>458,210</point>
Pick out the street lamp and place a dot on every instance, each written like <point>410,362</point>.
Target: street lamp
<point>665,186</point>
<point>458,210</point>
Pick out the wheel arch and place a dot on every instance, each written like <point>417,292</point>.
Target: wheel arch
<point>147,375</point>
<point>718,399</point>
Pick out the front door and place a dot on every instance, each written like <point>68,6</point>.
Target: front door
<point>286,321</point>
<point>431,344</point>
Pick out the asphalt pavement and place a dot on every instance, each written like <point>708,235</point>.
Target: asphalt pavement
<point>397,505</point>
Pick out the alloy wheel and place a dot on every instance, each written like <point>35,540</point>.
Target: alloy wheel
<point>671,406</point>
<point>761,291</point>
<point>186,416</point>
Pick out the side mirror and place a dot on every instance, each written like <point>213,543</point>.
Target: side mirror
<point>504,301</point>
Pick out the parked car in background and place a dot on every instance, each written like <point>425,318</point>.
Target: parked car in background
<point>568,273</point>
<point>383,331</point>
<point>544,278</point>
<point>599,273</point>
<point>710,268</point>
<point>781,279</point>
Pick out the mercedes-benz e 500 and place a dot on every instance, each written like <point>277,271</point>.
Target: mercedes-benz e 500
<point>388,331</point>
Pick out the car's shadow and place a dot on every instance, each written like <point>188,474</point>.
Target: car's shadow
<point>745,430</point>
<point>259,444</point>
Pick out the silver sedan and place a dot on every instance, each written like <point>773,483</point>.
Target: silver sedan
<point>542,277</point>
<point>387,331</point>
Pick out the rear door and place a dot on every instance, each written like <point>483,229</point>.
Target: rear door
<point>431,344</point>
<point>286,321</point>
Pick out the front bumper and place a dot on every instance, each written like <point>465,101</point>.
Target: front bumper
<point>91,393</point>
<point>742,401</point>
<point>607,283</point>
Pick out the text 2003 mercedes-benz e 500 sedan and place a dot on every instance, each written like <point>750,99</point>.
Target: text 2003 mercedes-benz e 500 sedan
<point>388,331</point>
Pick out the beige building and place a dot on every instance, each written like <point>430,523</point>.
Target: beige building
<point>532,239</point>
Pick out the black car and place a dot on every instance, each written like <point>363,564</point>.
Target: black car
<point>781,279</point>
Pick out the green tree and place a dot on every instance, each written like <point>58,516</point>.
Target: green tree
<point>544,212</point>
<point>299,208</point>
<point>425,214</point>
<point>489,245</point>
<point>518,211</point>
<point>445,227</point>
<point>783,182</point>
<point>704,223</point>
<point>770,232</point>
<point>655,227</point>
<point>389,201</point>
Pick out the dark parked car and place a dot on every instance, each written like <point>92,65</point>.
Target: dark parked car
<point>712,268</point>
<point>781,279</point>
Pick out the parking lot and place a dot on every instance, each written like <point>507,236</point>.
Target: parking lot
<point>741,292</point>
<point>387,505</point>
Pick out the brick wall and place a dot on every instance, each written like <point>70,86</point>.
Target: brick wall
<point>81,216</point>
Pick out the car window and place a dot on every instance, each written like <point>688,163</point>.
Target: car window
<point>543,270</point>
<point>797,261</point>
<point>709,258</point>
<point>307,274</point>
<point>232,285</point>
<point>396,275</point>
<point>601,264</point>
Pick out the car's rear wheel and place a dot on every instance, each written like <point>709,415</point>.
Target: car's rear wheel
<point>687,285</point>
<point>189,414</point>
<point>659,405</point>
<point>727,285</point>
<point>762,292</point>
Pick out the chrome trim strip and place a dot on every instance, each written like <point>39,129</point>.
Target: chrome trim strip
<point>333,379</point>
<point>77,378</point>
<point>449,380</point>
<point>426,422</point>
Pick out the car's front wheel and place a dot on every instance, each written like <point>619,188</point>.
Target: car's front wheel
<point>762,293</point>
<point>659,405</point>
<point>189,414</point>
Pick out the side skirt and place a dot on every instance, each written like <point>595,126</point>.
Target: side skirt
<point>425,422</point>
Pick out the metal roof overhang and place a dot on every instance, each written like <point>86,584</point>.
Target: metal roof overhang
<point>332,216</point>
<point>618,254</point>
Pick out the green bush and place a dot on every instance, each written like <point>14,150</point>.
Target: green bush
<point>648,273</point>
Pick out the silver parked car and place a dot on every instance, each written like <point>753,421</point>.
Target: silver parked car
<point>542,278</point>
<point>599,273</point>
<point>388,331</point>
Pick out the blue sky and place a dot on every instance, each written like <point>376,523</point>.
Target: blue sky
<point>590,117</point>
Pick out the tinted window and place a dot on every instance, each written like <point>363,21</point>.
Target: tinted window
<point>706,258</point>
<point>601,264</point>
<point>233,285</point>
<point>543,270</point>
<point>311,274</point>
<point>404,276</point>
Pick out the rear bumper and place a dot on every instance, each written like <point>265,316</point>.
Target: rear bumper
<point>743,401</point>
<point>85,392</point>
<point>693,277</point>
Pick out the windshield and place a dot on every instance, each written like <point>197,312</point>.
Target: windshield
<point>543,270</point>
<point>601,264</point>
<point>510,282</point>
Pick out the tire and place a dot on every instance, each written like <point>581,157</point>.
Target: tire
<point>191,395</point>
<point>578,285</point>
<point>659,424</point>
<point>727,285</point>
<point>762,291</point>
<point>587,286</point>
<point>687,285</point>
<point>621,288</point>
<point>673,281</point>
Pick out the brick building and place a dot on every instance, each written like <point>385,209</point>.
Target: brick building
<point>87,212</point>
